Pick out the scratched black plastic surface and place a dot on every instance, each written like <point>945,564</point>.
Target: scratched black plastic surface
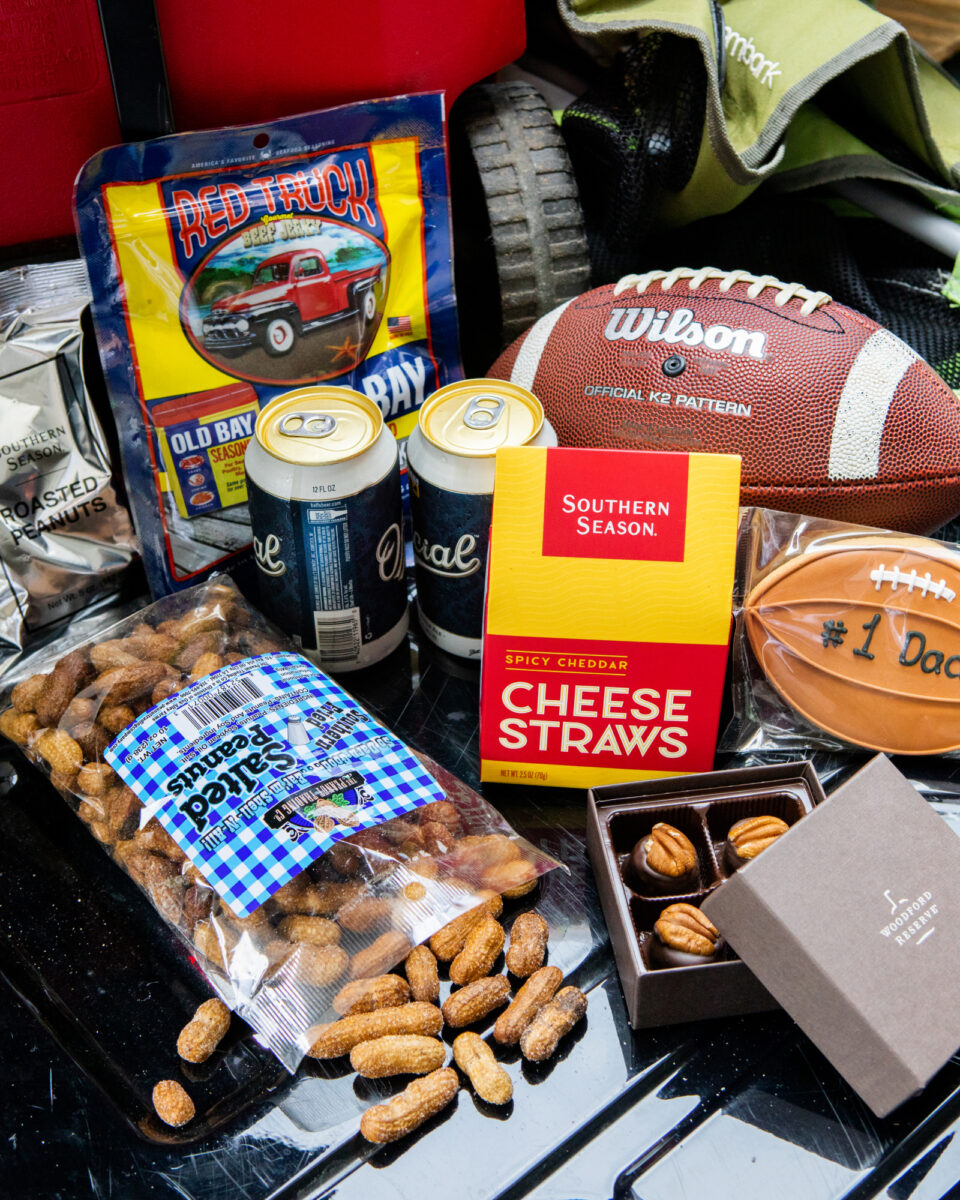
<point>742,1109</point>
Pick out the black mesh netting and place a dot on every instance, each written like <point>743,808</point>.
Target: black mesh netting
<point>630,138</point>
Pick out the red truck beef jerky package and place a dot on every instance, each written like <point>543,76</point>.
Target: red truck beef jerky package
<point>231,266</point>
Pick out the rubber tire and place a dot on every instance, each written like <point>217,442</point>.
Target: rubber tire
<point>368,306</point>
<point>268,345</point>
<point>508,151</point>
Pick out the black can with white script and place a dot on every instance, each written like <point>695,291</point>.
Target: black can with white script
<point>323,481</point>
<point>450,468</point>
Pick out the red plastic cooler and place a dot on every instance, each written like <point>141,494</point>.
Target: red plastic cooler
<point>228,62</point>
<point>236,61</point>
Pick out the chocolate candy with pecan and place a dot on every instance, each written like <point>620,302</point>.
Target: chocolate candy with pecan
<point>684,937</point>
<point>664,862</point>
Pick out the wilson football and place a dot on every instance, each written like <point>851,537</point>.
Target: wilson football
<point>831,414</point>
<point>862,637</point>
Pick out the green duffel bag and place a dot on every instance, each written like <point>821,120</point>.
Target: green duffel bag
<point>706,102</point>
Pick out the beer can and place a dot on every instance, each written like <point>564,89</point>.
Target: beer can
<point>323,481</point>
<point>450,467</point>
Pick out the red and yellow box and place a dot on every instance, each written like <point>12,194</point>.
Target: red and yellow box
<point>609,599</point>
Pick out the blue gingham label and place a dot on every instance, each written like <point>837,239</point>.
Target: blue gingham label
<point>259,768</point>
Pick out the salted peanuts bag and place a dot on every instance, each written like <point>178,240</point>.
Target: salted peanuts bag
<point>292,840</point>
<point>233,265</point>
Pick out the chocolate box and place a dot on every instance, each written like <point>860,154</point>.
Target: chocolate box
<point>704,807</point>
<point>852,920</point>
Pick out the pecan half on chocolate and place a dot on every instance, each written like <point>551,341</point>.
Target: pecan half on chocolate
<point>752,835</point>
<point>683,927</point>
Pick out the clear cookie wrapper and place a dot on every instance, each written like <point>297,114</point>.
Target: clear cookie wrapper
<point>291,839</point>
<point>65,540</point>
<point>846,637</point>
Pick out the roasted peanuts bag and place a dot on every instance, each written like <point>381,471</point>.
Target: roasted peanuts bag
<point>231,266</point>
<point>294,842</point>
<point>66,542</point>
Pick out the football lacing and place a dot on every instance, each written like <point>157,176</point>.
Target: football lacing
<point>785,291</point>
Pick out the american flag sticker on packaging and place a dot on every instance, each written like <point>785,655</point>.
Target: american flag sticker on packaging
<point>258,768</point>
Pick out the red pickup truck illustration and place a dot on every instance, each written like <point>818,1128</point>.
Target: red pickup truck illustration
<point>291,294</point>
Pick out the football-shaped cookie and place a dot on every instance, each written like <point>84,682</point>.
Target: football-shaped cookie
<point>862,637</point>
<point>832,414</point>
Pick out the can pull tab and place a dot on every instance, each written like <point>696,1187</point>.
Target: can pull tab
<point>483,412</point>
<point>307,424</point>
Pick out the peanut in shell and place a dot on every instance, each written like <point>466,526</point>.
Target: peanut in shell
<point>112,653</point>
<point>26,693</point>
<point>319,965</point>
<point>68,676</point>
<point>172,1104</point>
<point>475,1001</point>
<point>437,839</point>
<point>477,853</point>
<point>206,664</point>
<point>203,1033</point>
<point>397,1054</point>
<point>18,726</point>
<point>422,975</point>
<point>538,990</point>
<point>95,779</point>
<point>315,900</point>
<point>364,913</point>
<point>419,1101</point>
<point>318,931</point>
<point>367,995</point>
<point>121,684</point>
<point>389,948</point>
<point>552,1022</point>
<point>60,751</point>
<point>341,1036</point>
<point>443,812</point>
<point>512,879</point>
<point>480,949</point>
<point>528,944</point>
<point>475,1058</point>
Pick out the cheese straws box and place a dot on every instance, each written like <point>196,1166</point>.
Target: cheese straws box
<point>608,614</point>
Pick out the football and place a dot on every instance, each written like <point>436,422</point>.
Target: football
<point>831,414</point>
<point>862,637</point>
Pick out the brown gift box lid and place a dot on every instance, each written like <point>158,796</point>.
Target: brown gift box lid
<point>852,921</point>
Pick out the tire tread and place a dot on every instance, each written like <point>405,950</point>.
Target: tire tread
<point>535,218</point>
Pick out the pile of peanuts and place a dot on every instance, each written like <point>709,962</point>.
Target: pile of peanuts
<point>198,1039</point>
<point>390,1025</point>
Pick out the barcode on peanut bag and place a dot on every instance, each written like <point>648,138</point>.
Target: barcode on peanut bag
<point>338,634</point>
<point>192,718</point>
